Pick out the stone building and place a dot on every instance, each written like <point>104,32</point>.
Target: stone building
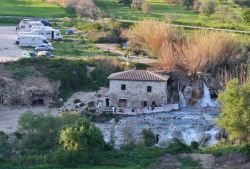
<point>136,88</point>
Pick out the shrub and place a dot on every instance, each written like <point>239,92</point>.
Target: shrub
<point>246,15</point>
<point>235,118</point>
<point>81,136</point>
<point>188,3</point>
<point>137,4</point>
<point>208,7</point>
<point>77,101</point>
<point>242,2</point>
<point>194,145</point>
<point>148,137</point>
<point>4,145</point>
<point>39,131</point>
<point>176,50</point>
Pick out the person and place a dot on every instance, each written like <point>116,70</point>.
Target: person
<point>113,109</point>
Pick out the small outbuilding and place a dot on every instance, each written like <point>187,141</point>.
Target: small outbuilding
<point>137,88</point>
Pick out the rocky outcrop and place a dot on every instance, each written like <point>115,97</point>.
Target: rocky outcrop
<point>191,86</point>
<point>29,91</point>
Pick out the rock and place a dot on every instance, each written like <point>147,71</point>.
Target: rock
<point>29,91</point>
<point>204,138</point>
<point>188,91</point>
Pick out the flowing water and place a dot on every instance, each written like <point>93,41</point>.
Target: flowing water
<point>189,124</point>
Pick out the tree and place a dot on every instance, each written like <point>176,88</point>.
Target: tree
<point>208,8</point>
<point>188,3</point>
<point>39,131</point>
<point>126,2</point>
<point>246,15</point>
<point>235,115</point>
<point>81,136</point>
<point>137,4</point>
<point>148,137</point>
<point>4,145</point>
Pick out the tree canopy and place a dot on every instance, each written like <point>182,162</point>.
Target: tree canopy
<point>235,115</point>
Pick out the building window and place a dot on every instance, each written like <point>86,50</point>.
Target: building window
<point>123,87</point>
<point>149,88</point>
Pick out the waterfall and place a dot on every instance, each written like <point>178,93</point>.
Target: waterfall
<point>206,100</point>
<point>182,99</point>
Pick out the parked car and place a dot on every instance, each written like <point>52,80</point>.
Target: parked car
<point>69,32</point>
<point>28,54</point>
<point>45,22</point>
<point>44,47</point>
<point>45,54</point>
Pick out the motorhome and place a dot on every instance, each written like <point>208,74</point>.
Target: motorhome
<point>48,33</point>
<point>26,24</point>
<point>31,40</point>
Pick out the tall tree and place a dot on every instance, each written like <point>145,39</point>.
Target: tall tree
<point>235,115</point>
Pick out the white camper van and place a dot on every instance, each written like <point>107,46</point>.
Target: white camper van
<point>48,33</point>
<point>31,40</point>
<point>26,24</point>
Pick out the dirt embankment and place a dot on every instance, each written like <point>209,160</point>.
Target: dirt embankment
<point>207,161</point>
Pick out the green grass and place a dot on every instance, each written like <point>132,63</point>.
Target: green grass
<point>73,46</point>
<point>189,163</point>
<point>178,13</point>
<point>36,8</point>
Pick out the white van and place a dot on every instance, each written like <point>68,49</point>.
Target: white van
<point>48,33</point>
<point>25,25</point>
<point>31,40</point>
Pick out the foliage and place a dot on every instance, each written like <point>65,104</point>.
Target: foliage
<point>188,3</point>
<point>188,162</point>
<point>81,136</point>
<point>208,7</point>
<point>242,2</point>
<point>221,149</point>
<point>137,4</point>
<point>68,117</point>
<point>148,137</point>
<point>246,15</point>
<point>4,145</point>
<point>177,50</point>
<point>128,137</point>
<point>177,146</point>
<point>235,115</point>
<point>39,131</point>
<point>194,145</point>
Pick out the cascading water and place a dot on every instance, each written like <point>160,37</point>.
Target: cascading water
<point>182,99</point>
<point>206,101</point>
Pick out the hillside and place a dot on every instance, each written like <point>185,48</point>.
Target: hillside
<point>37,8</point>
<point>227,14</point>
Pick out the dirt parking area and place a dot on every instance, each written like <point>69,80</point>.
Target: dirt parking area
<point>9,51</point>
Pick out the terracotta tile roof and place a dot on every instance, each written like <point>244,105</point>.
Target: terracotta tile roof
<point>138,75</point>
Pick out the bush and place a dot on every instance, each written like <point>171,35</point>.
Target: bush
<point>246,15</point>
<point>148,137</point>
<point>195,145</point>
<point>242,2</point>
<point>39,132</point>
<point>208,7</point>
<point>77,101</point>
<point>137,4</point>
<point>5,148</point>
<point>81,136</point>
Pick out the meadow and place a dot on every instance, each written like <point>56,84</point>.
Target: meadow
<point>35,8</point>
<point>179,14</point>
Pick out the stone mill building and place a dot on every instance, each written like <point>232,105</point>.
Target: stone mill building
<point>136,88</point>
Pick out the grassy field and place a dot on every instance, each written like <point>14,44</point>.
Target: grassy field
<point>177,13</point>
<point>77,47</point>
<point>36,8</point>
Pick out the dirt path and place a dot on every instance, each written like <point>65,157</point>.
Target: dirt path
<point>9,115</point>
<point>121,54</point>
<point>9,51</point>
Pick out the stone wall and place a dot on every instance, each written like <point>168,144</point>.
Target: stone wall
<point>28,91</point>
<point>136,92</point>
